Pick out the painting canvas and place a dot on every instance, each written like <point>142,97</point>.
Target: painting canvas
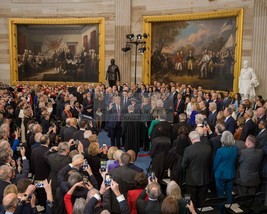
<point>196,52</point>
<point>68,52</point>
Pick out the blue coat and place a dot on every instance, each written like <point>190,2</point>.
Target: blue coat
<point>225,162</point>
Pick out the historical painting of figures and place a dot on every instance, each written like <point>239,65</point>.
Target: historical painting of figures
<point>58,52</point>
<point>199,51</point>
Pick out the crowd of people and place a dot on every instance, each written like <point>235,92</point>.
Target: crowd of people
<point>50,154</point>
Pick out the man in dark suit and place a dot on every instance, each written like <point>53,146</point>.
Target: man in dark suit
<point>125,101</point>
<point>40,168</point>
<point>164,126</point>
<point>155,198</point>
<point>214,98</point>
<point>78,135</point>
<point>248,177</point>
<point>173,94</point>
<point>203,108</point>
<point>85,140</point>
<point>212,118</point>
<point>57,160</point>
<point>249,126</point>
<point>5,178</point>
<point>215,142</point>
<point>178,107</point>
<point>93,205</point>
<point>124,176</point>
<point>226,100</point>
<point>241,111</point>
<point>261,117</point>
<point>114,122</point>
<point>197,163</point>
<point>133,158</point>
<point>262,136</point>
<point>68,132</point>
<point>230,123</point>
<point>182,122</point>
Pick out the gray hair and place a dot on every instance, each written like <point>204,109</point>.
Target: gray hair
<point>37,128</point>
<point>76,157</point>
<point>91,194</point>
<point>173,190</point>
<point>79,206</point>
<point>74,178</point>
<point>213,105</point>
<point>87,134</point>
<point>153,190</point>
<point>227,139</point>
<point>220,127</point>
<point>5,171</point>
<point>250,112</point>
<point>37,137</point>
<point>63,147</point>
<point>199,119</point>
<point>194,136</point>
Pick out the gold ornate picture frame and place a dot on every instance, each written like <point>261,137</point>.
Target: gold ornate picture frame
<point>200,49</point>
<point>56,50</point>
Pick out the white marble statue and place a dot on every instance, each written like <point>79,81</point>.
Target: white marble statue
<point>248,81</point>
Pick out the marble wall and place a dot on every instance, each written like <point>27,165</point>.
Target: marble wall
<point>125,16</point>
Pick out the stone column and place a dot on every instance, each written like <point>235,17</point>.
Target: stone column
<point>259,45</point>
<point>123,27</point>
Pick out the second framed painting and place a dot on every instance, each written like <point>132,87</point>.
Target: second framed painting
<point>202,49</point>
<point>57,50</point>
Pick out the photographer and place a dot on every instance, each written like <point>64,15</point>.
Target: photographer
<point>94,197</point>
<point>23,166</point>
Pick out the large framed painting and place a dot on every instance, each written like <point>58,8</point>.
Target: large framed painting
<point>56,50</point>
<point>202,49</point>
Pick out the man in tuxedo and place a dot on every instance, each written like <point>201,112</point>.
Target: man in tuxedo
<point>262,136</point>
<point>197,163</point>
<point>155,198</point>
<point>249,126</point>
<point>248,177</point>
<point>124,176</point>
<point>114,122</point>
<point>178,107</point>
<point>212,118</point>
<point>230,123</point>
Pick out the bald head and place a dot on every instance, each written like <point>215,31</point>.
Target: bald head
<point>260,112</point>
<point>132,154</point>
<point>73,122</point>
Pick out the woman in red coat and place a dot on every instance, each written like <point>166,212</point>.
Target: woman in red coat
<point>140,180</point>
